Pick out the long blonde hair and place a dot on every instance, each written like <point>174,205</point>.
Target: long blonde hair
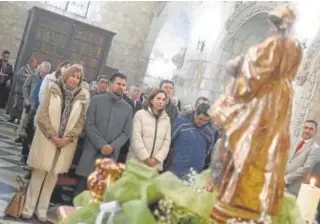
<point>71,70</point>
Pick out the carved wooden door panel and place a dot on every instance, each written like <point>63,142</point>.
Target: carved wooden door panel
<point>51,40</point>
<point>88,47</point>
<point>54,38</point>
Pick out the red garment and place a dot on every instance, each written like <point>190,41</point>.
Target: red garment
<point>299,147</point>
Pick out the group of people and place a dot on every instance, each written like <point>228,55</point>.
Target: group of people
<point>56,111</point>
<point>122,123</point>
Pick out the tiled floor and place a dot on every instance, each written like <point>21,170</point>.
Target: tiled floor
<point>10,169</point>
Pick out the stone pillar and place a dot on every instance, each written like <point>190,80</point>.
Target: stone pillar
<point>306,101</point>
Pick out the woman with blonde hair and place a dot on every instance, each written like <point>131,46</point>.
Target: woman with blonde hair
<point>60,121</point>
<point>151,134</point>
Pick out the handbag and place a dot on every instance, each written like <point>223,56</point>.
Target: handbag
<point>15,207</point>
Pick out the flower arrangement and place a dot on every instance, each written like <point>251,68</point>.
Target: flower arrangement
<point>142,195</point>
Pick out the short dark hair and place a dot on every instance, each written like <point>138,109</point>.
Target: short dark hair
<point>313,122</point>
<point>102,77</point>
<point>5,52</point>
<point>32,58</point>
<point>165,81</point>
<point>64,63</point>
<point>117,75</point>
<point>201,98</point>
<point>203,109</point>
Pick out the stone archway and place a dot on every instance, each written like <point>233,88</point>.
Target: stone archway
<point>306,103</point>
<point>168,51</point>
<point>166,11</point>
<point>247,20</point>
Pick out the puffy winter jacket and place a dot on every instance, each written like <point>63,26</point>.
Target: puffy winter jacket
<point>151,137</point>
<point>190,145</point>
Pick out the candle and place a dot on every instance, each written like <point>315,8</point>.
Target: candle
<point>307,200</point>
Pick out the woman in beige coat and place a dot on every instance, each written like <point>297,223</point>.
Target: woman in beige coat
<point>151,134</point>
<point>60,121</point>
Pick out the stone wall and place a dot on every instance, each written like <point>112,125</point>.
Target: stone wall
<point>13,17</point>
<point>130,21</point>
<point>254,31</point>
<point>306,101</point>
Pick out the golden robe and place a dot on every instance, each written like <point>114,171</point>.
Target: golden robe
<point>254,115</point>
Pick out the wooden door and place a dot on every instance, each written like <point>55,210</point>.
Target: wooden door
<point>54,38</point>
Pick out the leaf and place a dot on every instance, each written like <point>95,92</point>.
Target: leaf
<point>171,187</point>
<point>85,214</point>
<point>140,170</point>
<point>137,212</point>
<point>125,189</point>
<point>83,199</point>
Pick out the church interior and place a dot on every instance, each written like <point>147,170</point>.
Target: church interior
<point>188,42</point>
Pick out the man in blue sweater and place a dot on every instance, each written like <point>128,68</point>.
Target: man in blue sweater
<point>193,137</point>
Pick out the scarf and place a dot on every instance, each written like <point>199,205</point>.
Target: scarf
<point>68,97</point>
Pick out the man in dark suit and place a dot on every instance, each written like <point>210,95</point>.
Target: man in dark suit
<point>134,94</point>
<point>6,73</point>
<point>101,86</point>
<point>171,109</point>
<point>108,127</point>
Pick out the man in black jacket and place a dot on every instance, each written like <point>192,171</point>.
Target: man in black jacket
<point>101,86</point>
<point>134,94</point>
<point>171,109</point>
<point>6,73</point>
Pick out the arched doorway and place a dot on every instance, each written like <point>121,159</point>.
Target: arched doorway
<point>246,26</point>
<point>168,51</point>
<point>253,31</point>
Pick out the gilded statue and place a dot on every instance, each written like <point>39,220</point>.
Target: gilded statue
<point>254,116</point>
<point>107,172</point>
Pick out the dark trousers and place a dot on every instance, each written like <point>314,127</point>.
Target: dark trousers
<point>124,152</point>
<point>81,185</point>
<point>30,133</point>
<point>4,95</point>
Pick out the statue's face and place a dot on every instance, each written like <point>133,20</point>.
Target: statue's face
<point>309,130</point>
<point>272,28</point>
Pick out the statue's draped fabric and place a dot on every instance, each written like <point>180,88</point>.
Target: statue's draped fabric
<point>254,114</point>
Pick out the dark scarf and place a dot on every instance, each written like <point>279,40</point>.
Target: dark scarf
<point>67,103</point>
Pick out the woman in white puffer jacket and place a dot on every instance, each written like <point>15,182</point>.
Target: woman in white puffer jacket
<point>151,134</point>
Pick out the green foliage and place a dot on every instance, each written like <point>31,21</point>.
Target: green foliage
<point>141,186</point>
<point>86,214</point>
<point>83,199</point>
